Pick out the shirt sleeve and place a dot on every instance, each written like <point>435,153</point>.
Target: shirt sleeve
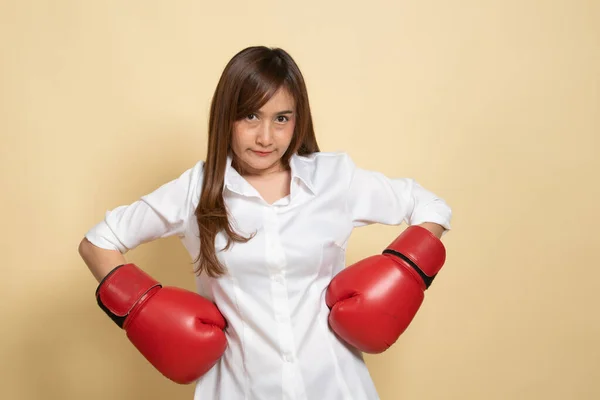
<point>376,198</point>
<point>162,213</point>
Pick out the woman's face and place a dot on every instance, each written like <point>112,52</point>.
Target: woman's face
<point>261,138</point>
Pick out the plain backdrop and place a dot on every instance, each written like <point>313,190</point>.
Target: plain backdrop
<point>492,105</point>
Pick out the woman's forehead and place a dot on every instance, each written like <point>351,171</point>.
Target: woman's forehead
<point>281,101</point>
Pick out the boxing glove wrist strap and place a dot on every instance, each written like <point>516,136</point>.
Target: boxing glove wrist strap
<point>122,289</point>
<point>426,279</point>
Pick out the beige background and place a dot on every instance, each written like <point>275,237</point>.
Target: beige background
<point>493,105</point>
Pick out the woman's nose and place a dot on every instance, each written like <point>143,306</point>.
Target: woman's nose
<point>265,135</point>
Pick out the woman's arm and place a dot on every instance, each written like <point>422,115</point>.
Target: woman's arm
<point>376,198</point>
<point>434,228</point>
<point>100,261</point>
<point>163,212</point>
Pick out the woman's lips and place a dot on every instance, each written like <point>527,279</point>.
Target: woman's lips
<point>262,153</point>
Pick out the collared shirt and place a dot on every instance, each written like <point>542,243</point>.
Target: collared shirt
<point>280,345</point>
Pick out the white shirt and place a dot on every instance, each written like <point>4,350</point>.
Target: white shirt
<point>280,345</point>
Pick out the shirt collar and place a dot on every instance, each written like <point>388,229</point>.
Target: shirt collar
<point>301,167</point>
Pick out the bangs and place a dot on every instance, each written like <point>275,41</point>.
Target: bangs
<point>261,83</point>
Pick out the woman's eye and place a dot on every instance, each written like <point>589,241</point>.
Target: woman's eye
<point>282,118</point>
<point>251,117</point>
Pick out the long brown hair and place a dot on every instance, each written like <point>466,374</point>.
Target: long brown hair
<point>248,81</point>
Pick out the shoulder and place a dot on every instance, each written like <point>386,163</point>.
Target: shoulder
<point>326,169</point>
<point>186,184</point>
<point>184,179</point>
<point>193,175</point>
<point>329,165</point>
<point>324,161</point>
<point>198,167</point>
<point>196,176</point>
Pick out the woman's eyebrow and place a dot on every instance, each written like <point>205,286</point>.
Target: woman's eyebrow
<point>277,113</point>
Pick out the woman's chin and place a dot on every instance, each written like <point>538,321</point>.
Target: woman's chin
<point>255,167</point>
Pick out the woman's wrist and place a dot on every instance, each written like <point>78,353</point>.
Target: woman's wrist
<point>434,228</point>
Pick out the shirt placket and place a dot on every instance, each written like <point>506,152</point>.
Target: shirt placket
<point>276,263</point>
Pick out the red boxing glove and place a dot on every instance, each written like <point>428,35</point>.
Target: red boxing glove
<point>179,332</point>
<point>373,301</point>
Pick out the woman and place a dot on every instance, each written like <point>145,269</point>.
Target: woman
<point>266,218</point>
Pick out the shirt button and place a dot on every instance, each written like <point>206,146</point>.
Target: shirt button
<point>282,319</point>
<point>278,278</point>
<point>288,358</point>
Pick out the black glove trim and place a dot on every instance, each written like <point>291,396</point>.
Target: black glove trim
<point>117,319</point>
<point>426,279</point>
